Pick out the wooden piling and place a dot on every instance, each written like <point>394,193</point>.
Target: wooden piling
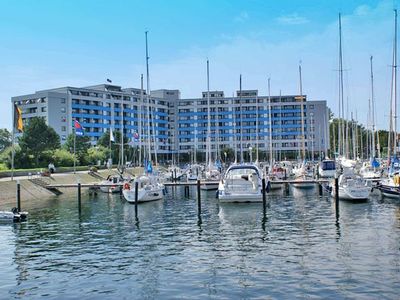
<point>79,197</point>
<point>320,189</point>
<point>136,198</point>
<point>175,180</point>
<point>264,197</point>
<point>337,197</point>
<point>18,196</point>
<point>198,197</point>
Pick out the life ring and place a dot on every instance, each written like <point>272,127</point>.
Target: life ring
<point>127,186</point>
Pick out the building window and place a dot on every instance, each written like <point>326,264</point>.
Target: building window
<point>63,128</point>
<point>44,109</point>
<point>63,109</point>
<point>63,137</point>
<point>63,119</point>
<point>63,100</point>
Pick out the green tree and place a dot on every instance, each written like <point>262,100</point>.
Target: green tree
<point>37,139</point>
<point>82,145</point>
<point>5,139</point>
<point>62,158</point>
<point>96,154</point>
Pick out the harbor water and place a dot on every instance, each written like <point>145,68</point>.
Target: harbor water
<point>297,250</point>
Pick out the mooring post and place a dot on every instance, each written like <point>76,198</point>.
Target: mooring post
<point>285,174</point>
<point>172,176</point>
<point>18,196</point>
<point>320,189</point>
<point>337,197</point>
<point>198,197</point>
<point>79,197</point>
<point>136,198</point>
<point>264,197</point>
<point>175,180</point>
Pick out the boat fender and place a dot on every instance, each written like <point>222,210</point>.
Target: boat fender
<point>127,186</point>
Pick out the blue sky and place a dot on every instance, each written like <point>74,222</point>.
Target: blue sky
<point>50,43</point>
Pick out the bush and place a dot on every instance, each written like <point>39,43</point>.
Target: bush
<point>62,158</point>
<point>97,153</point>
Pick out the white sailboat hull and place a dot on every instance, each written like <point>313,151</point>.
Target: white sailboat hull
<point>144,194</point>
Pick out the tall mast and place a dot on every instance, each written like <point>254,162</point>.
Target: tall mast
<point>341,94</point>
<point>302,116</point>
<point>393,92</point>
<point>234,126</point>
<point>139,114</point>
<point>148,101</point>
<point>256,137</point>
<point>122,131</point>
<point>208,117</point>
<point>373,110</point>
<point>270,124</point>
<point>241,119</point>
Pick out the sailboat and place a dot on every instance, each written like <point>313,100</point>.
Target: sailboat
<point>149,187</point>
<point>351,185</point>
<point>390,187</point>
<point>304,171</point>
<point>212,174</point>
<point>275,172</point>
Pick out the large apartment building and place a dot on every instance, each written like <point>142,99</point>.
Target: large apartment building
<point>180,126</point>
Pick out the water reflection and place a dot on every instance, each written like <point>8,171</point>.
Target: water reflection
<point>294,250</point>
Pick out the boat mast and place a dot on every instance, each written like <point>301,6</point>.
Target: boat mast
<point>256,137</point>
<point>234,127</point>
<point>209,118</point>
<point>241,120</point>
<point>393,110</point>
<point>122,132</point>
<point>139,114</point>
<point>148,101</point>
<point>373,109</point>
<point>302,117</point>
<point>341,94</point>
<point>270,125</point>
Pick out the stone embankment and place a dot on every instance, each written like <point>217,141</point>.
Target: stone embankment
<point>31,189</point>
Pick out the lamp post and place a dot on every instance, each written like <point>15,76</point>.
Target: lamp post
<point>251,154</point>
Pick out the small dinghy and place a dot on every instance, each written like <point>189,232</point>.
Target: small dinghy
<point>13,216</point>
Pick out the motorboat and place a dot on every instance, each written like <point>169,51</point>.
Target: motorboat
<point>212,177</point>
<point>351,186</point>
<point>149,189</point>
<point>390,187</point>
<point>304,176</point>
<point>241,183</point>
<point>370,170</point>
<point>278,173</point>
<point>327,168</point>
<point>13,216</point>
<point>194,172</point>
<point>112,184</point>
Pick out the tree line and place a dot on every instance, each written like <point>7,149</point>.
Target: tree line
<point>40,145</point>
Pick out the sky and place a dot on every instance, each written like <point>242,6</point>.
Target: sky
<point>52,43</point>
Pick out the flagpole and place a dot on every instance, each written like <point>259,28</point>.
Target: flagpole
<point>74,131</point>
<point>13,145</point>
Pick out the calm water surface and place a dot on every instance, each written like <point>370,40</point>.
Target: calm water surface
<point>297,250</point>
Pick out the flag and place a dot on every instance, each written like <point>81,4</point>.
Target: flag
<point>78,128</point>
<point>109,80</point>
<point>112,139</point>
<point>18,125</point>
<point>149,168</point>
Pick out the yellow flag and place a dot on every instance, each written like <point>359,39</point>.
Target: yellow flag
<point>18,125</point>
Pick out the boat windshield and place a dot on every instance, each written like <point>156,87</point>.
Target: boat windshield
<point>328,165</point>
<point>242,171</point>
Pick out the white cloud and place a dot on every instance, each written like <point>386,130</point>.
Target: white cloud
<point>292,19</point>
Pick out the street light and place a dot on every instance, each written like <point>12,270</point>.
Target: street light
<point>251,154</point>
